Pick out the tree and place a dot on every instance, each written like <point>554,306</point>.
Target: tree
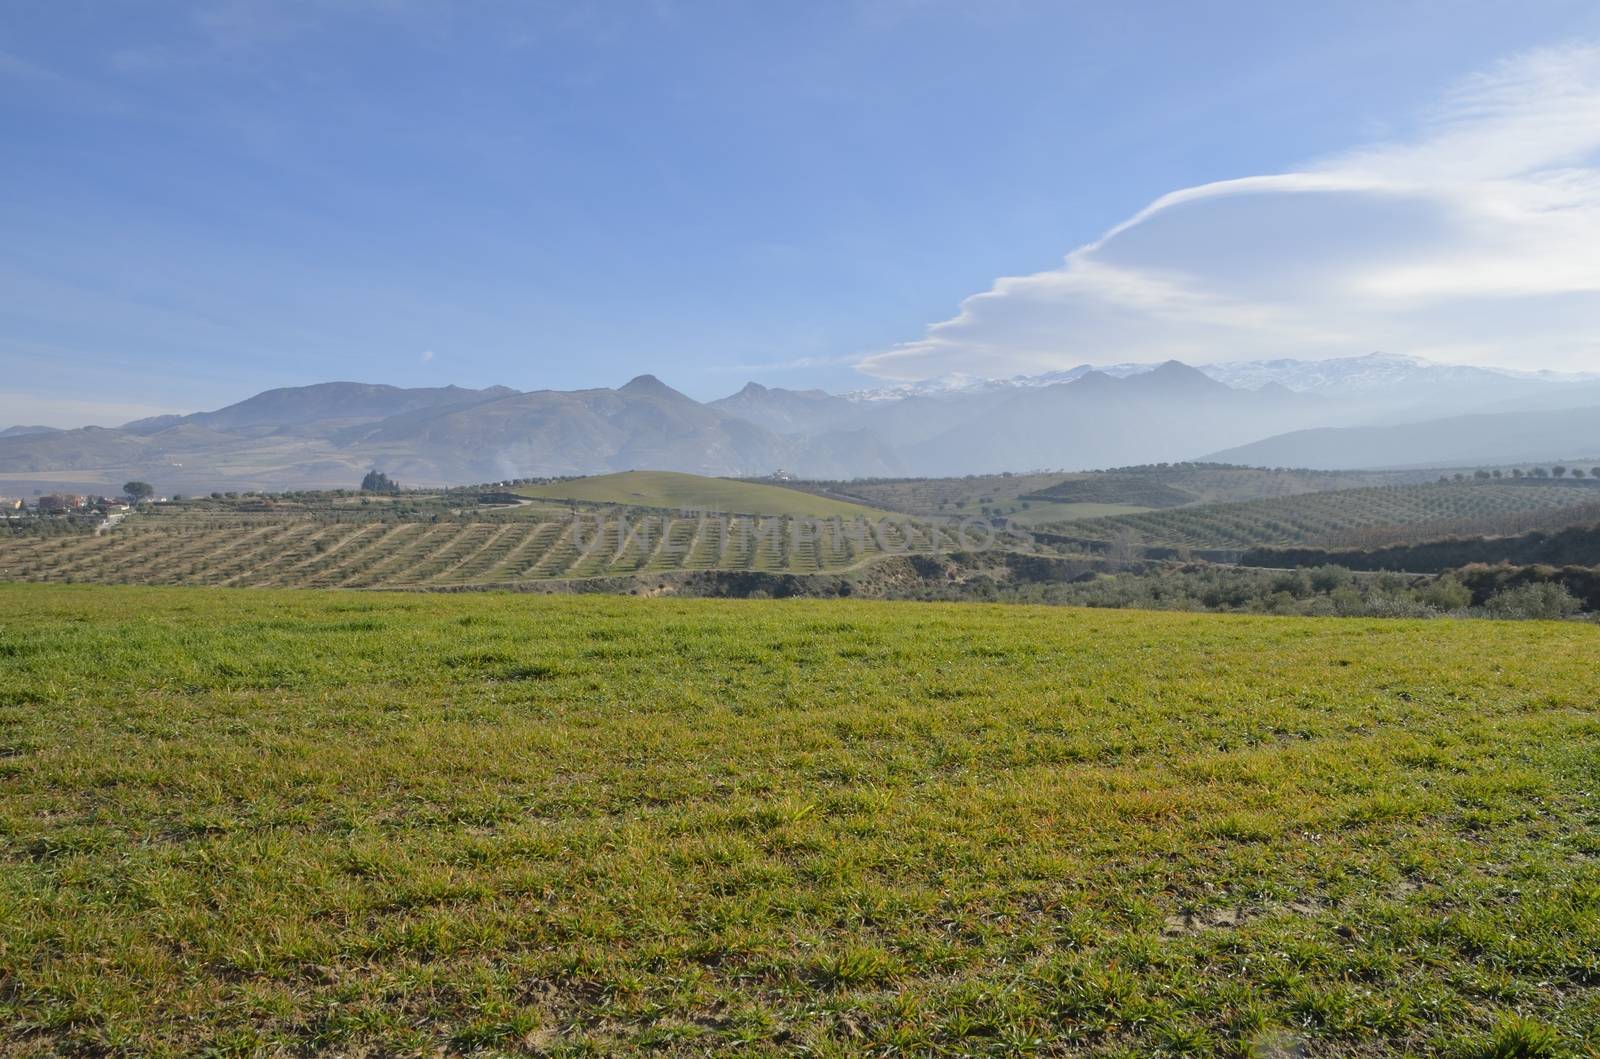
<point>378,482</point>
<point>138,490</point>
<point>1125,547</point>
<point>1559,471</point>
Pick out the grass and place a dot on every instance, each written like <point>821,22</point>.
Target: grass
<point>691,492</point>
<point>303,823</point>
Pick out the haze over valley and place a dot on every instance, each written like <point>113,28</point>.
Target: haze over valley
<point>1371,411</point>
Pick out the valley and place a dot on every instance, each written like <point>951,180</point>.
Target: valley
<point>669,533</point>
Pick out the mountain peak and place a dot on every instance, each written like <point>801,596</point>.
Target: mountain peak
<point>648,386</point>
<point>752,389</point>
<point>1094,377</point>
<point>1175,375</point>
<point>1176,369</point>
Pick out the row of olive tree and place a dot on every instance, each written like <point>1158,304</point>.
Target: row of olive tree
<point>1557,471</point>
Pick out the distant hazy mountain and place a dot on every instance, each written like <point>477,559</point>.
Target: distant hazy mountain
<point>1456,441</point>
<point>962,384</point>
<point>21,431</point>
<point>1585,396</point>
<point>1383,387</point>
<point>1099,420</point>
<point>1080,418</point>
<point>1373,385</point>
<point>330,434</point>
<point>644,424</point>
<point>1346,376</point>
<point>790,411</point>
<point>327,404</point>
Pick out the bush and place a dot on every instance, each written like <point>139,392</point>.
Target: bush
<point>1547,602</point>
<point>1447,594</point>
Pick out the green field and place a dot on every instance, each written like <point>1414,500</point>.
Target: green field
<point>343,823</point>
<point>692,492</point>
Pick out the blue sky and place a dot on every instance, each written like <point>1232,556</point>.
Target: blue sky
<point>201,200</point>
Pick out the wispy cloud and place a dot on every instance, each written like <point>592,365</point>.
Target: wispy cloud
<point>786,364</point>
<point>1471,239</point>
<point>18,68</point>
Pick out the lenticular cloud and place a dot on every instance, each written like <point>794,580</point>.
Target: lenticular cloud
<point>1472,240</point>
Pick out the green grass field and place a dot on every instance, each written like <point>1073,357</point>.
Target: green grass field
<point>692,492</point>
<point>284,823</point>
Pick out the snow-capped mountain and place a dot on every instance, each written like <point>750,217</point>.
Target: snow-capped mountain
<point>1391,377</point>
<point>1373,373</point>
<point>962,383</point>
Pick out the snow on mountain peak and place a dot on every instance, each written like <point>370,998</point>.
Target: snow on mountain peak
<point>1343,376</point>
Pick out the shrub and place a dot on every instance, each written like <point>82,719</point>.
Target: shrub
<point>1546,601</point>
<point>1447,594</point>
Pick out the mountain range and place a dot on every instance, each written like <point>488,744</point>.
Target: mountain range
<point>1378,410</point>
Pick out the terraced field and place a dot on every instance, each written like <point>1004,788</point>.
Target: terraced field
<point>301,553</point>
<point>693,492</point>
<point>1353,516</point>
<point>1039,496</point>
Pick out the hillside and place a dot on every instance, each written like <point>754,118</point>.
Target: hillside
<point>972,494</point>
<point>1458,441</point>
<point>373,549</point>
<point>1371,516</point>
<point>603,826</point>
<point>1040,498</point>
<point>1181,485</point>
<point>690,492</point>
<point>1574,545</point>
<point>22,431</point>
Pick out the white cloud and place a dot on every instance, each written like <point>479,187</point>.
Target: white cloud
<point>1472,240</point>
<point>427,355</point>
